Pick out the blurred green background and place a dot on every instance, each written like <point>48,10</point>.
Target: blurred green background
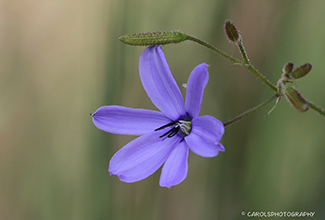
<point>61,60</point>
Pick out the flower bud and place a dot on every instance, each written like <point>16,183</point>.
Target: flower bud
<point>154,38</point>
<point>233,34</point>
<point>294,97</point>
<point>287,68</point>
<point>301,71</point>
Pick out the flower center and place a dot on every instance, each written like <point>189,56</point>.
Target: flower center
<point>182,127</point>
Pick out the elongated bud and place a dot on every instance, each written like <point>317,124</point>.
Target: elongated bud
<point>233,34</point>
<point>294,97</point>
<point>301,71</point>
<point>154,38</point>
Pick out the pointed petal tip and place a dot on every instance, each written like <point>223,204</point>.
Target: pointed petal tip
<point>202,67</point>
<point>122,177</point>
<point>167,186</point>
<point>205,65</point>
<point>111,172</point>
<point>222,148</point>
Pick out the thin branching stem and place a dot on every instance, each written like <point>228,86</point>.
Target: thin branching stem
<point>250,111</point>
<point>316,108</point>
<point>245,64</point>
<point>253,70</point>
<point>214,49</point>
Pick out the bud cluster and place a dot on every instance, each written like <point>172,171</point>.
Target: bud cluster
<point>286,86</point>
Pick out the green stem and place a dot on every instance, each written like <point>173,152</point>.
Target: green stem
<point>243,52</point>
<point>316,108</point>
<point>247,65</point>
<point>252,69</point>
<point>250,111</point>
<point>214,49</point>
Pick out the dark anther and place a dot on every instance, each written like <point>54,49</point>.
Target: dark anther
<point>167,125</point>
<point>181,126</point>
<point>171,133</point>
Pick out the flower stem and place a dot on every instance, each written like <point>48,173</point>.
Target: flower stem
<point>250,111</point>
<point>316,108</point>
<point>253,70</point>
<point>214,49</point>
<point>247,65</point>
<point>243,52</point>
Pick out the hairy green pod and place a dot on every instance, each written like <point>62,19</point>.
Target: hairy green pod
<point>154,38</point>
<point>293,96</point>
<point>301,71</point>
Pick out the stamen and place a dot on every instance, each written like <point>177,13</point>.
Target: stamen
<point>166,125</point>
<point>181,125</point>
<point>171,133</point>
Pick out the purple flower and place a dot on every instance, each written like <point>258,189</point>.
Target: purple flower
<point>166,136</point>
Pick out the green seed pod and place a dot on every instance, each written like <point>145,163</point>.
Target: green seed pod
<point>301,71</point>
<point>232,32</point>
<point>294,97</point>
<point>154,38</point>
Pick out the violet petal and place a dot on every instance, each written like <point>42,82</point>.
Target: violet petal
<point>159,83</point>
<point>195,88</point>
<point>205,136</point>
<point>142,157</point>
<point>175,168</point>
<point>123,120</point>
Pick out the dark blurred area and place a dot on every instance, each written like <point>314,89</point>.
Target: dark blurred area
<point>61,60</point>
